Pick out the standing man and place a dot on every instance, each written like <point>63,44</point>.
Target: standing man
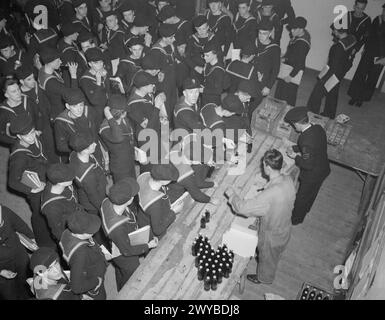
<point>81,20</point>
<point>28,154</point>
<point>59,199</point>
<point>245,25</point>
<point>14,105</point>
<point>118,221</point>
<point>117,133</point>
<point>273,205</point>
<point>41,107</point>
<point>84,256</point>
<point>75,119</point>
<point>372,62</point>
<point>359,24</point>
<point>95,82</point>
<point>265,13</point>
<point>220,24</point>
<point>90,176</point>
<point>310,155</point>
<point>216,80</point>
<point>163,53</point>
<point>52,82</point>
<point>339,63</point>
<point>153,197</point>
<point>295,57</point>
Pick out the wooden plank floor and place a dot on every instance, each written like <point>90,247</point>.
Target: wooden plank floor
<point>319,244</point>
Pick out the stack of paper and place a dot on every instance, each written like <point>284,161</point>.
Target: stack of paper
<point>242,240</point>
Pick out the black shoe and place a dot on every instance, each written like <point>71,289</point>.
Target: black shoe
<point>249,147</point>
<point>296,222</point>
<point>352,102</point>
<point>359,104</point>
<point>253,278</point>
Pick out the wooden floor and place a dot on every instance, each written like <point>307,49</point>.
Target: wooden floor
<point>319,244</point>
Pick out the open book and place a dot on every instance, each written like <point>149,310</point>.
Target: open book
<point>31,179</point>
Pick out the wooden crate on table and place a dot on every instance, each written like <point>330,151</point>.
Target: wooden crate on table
<point>337,134</point>
<point>268,113</point>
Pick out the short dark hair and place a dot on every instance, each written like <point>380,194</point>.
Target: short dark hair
<point>274,159</point>
<point>9,82</point>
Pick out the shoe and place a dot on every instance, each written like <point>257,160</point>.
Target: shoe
<point>295,222</point>
<point>249,147</point>
<point>352,102</point>
<point>253,278</point>
<point>359,104</point>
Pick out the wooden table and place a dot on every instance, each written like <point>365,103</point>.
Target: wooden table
<point>169,272</point>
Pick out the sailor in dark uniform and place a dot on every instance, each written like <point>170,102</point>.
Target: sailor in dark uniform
<point>41,106</point>
<point>310,155</point>
<point>186,112</point>
<point>220,24</point>
<point>195,45</point>
<point>113,37</point>
<point>118,135</point>
<point>265,13</point>
<point>52,82</point>
<point>77,118</point>
<point>295,57</point>
<point>84,256</point>
<point>81,19</point>
<point>216,80</point>
<point>128,12</point>
<point>153,197</point>
<point>95,82</point>
<point>49,282</point>
<point>15,104</point>
<point>140,28</point>
<point>118,221</point>
<point>28,154</point>
<point>359,24</point>
<point>163,52</point>
<point>236,114</point>
<point>69,52</point>
<point>268,58</point>
<point>10,58</point>
<point>339,63</point>
<point>371,65</point>
<point>59,199</point>
<point>99,15</point>
<point>245,25</point>
<point>131,64</point>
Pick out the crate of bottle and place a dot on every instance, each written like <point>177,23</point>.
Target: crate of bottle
<point>268,113</point>
<point>311,292</point>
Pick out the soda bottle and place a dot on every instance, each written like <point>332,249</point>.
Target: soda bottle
<point>203,223</point>
<point>194,248</point>
<point>200,273</point>
<point>312,295</point>
<point>214,283</point>
<point>207,284</point>
<point>230,266</point>
<point>319,296</point>
<point>207,216</point>
<point>226,271</point>
<point>220,275</point>
<point>206,240</point>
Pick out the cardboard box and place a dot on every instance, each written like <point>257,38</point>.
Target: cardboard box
<point>268,113</point>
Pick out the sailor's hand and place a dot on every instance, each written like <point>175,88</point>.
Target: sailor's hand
<point>8,274</point>
<point>153,243</point>
<point>39,189</point>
